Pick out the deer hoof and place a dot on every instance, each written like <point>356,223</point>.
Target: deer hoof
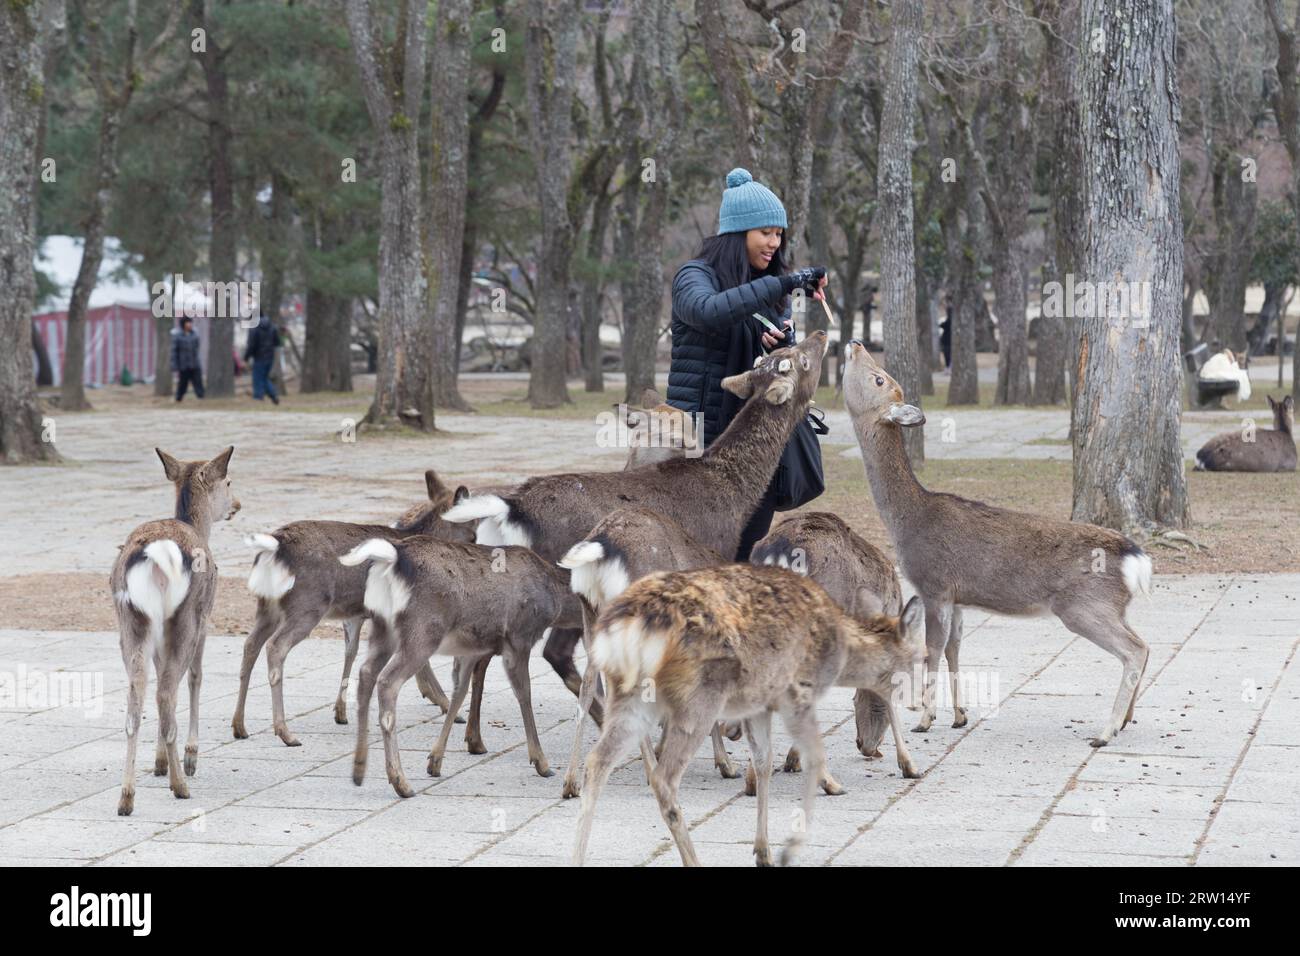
<point>435,766</point>
<point>289,739</point>
<point>238,727</point>
<point>959,719</point>
<point>403,789</point>
<point>459,718</point>
<point>126,805</point>
<point>728,771</point>
<point>475,746</point>
<point>191,763</point>
<point>571,789</point>
<point>792,764</point>
<point>160,768</point>
<point>762,857</point>
<point>543,769</point>
<point>181,791</point>
<point>340,713</point>
<point>832,787</point>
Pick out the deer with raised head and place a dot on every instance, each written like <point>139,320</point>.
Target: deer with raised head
<point>713,495</point>
<point>736,642</point>
<point>163,584</point>
<point>1257,450</point>
<point>462,600</point>
<point>298,582</point>
<point>862,581</point>
<point>958,552</point>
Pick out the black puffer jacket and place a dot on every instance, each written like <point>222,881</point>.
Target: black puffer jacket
<point>715,335</point>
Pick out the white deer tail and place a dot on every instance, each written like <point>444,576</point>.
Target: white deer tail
<point>386,594</point>
<point>628,653</point>
<point>157,585</point>
<point>270,577</point>
<point>597,575</point>
<point>1136,570</point>
<point>492,512</point>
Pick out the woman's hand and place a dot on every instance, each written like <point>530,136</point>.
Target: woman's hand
<point>770,341</point>
<point>818,294</point>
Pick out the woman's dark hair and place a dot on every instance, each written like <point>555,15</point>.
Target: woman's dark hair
<point>726,255</point>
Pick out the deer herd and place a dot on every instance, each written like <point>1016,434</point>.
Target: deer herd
<point>635,564</point>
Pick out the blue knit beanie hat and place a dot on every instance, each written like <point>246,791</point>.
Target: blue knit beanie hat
<point>748,205</point>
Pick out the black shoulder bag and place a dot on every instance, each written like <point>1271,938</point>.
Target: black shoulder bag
<point>799,477</point>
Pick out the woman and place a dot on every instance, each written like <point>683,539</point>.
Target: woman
<point>738,272</point>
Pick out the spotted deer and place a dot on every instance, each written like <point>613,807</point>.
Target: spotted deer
<point>736,642</point>
<point>958,552</point>
<point>163,584</point>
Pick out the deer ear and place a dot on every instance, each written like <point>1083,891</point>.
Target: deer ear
<point>433,485</point>
<point>215,470</point>
<point>171,467</point>
<point>742,385</point>
<point>1271,403</point>
<point>906,415</point>
<point>461,494</point>
<point>779,392</point>
<point>804,361</point>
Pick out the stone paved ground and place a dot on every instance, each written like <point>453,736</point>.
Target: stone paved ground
<point>1208,775</point>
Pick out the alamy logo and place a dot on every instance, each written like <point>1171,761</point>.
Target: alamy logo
<point>103,909</point>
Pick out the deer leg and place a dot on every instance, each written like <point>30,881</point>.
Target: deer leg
<point>381,648</point>
<point>457,698</point>
<point>952,651</point>
<point>137,676</point>
<point>196,681</point>
<point>268,616</point>
<point>1106,628</point>
<point>516,663</point>
<point>351,641</point>
<point>558,651</point>
<point>430,689</point>
<point>721,759</point>
<point>758,731</point>
<point>905,763</point>
<point>936,636</point>
<point>623,726</point>
<point>586,698</point>
<point>292,631</point>
<point>474,729</point>
<point>169,669</point>
<point>682,739</point>
<point>869,714</point>
<point>792,762</point>
<point>802,724</point>
<point>399,669</point>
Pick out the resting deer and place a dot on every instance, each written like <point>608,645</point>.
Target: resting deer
<point>299,582</point>
<point>441,597</point>
<point>713,495</point>
<point>958,552</point>
<point>658,431</point>
<point>731,643</point>
<point>163,583</point>
<point>862,581</point>
<point>624,547</point>
<point>1264,451</point>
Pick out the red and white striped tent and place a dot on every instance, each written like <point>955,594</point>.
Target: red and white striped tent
<point>117,336</point>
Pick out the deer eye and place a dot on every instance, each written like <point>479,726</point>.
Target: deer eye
<point>879,380</point>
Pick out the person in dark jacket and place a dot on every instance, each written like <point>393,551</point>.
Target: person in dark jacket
<point>185,359</point>
<point>736,273</point>
<point>263,340</point>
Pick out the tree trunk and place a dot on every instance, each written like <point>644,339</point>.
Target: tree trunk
<point>1057,334</point>
<point>962,238</point>
<point>24,29</point>
<point>897,241</point>
<point>593,284</point>
<point>926,333</point>
<point>222,264</point>
<point>44,369</point>
<point>1013,341</point>
<point>393,93</point>
<point>1128,463</point>
<point>448,179</point>
<point>550,54</point>
<point>731,78</point>
<point>327,345</point>
<point>1234,222</point>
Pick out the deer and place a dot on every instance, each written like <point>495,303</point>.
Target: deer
<point>624,547</point>
<point>430,596</point>
<point>735,642</point>
<point>1265,450</point>
<point>163,584</point>
<point>862,581</point>
<point>957,552</point>
<point>714,494</point>
<point>658,431</point>
<point>298,583</point>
